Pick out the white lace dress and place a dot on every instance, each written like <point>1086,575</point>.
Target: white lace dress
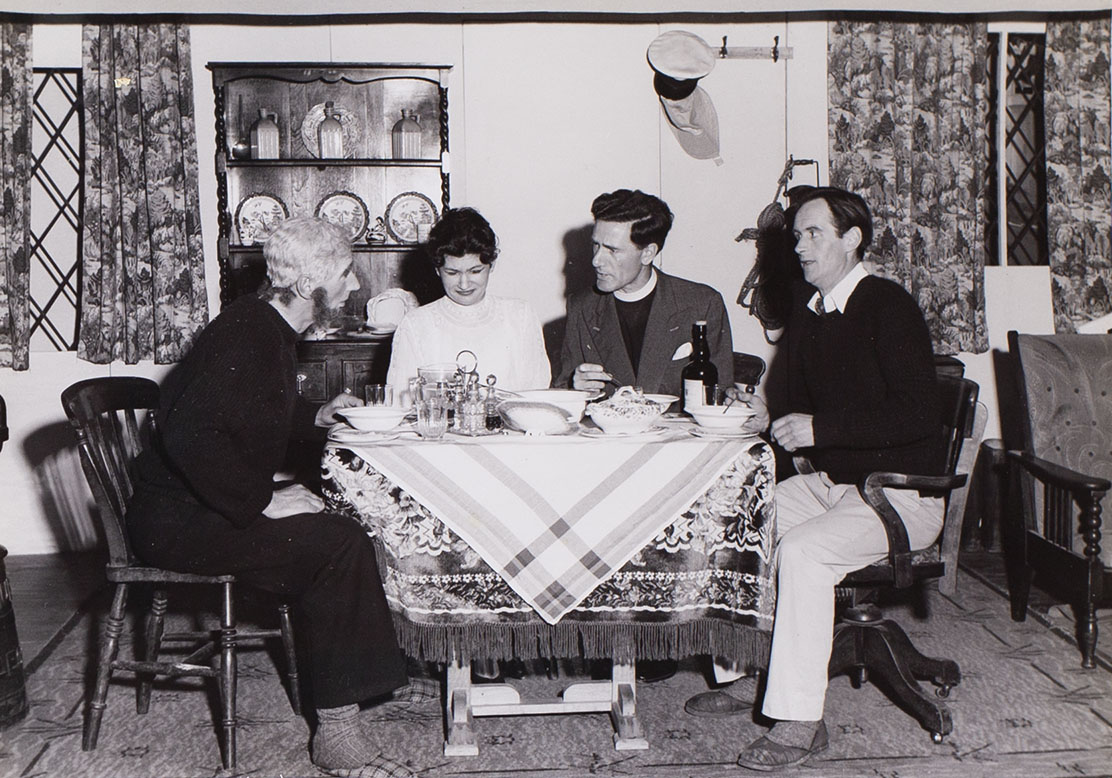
<point>504,333</point>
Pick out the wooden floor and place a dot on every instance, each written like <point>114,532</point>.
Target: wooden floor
<point>48,593</point>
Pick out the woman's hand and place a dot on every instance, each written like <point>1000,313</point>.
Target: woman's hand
<point>326,416</point>
<point>292,500</point>
<point>590,377</point>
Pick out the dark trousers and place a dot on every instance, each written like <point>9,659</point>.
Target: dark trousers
<point>322,562</point>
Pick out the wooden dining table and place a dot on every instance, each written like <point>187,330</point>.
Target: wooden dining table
<point>507,546</point>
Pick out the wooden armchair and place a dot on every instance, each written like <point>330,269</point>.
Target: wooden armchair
<point>105,414</point>
<point>1060,480</point>
<point>866,643</point>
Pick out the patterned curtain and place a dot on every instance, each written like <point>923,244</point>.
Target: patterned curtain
<point>1078,165</point>
<point>143,291</point>
<point>15,181</point>
<point>907,108</point>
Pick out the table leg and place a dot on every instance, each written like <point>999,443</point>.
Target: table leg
<point>628,734</point>
<point>457,703</point>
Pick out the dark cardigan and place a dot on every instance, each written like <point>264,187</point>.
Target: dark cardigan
<point>228,412</point>
<point>868,377</point>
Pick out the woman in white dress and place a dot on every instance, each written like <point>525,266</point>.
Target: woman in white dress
<point>504,333</point>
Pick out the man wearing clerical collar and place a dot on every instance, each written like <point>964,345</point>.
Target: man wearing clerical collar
<point>634,327</point>
<point>863,398</point>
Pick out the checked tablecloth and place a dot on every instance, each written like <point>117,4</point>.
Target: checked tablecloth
<point>486,541</point>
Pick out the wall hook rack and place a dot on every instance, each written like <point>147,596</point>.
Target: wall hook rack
<point>775,53</point>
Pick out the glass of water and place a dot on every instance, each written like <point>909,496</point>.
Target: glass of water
<point>432,417</point>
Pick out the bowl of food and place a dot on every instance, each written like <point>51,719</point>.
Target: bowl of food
<point>372,418</point>
<point>726,419</point>
<point>534,417</point>
<point>572,401</point>
<point>627,412</point>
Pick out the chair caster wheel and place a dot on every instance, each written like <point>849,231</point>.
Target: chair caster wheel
<point>943,691</point>
<point>936,737</point>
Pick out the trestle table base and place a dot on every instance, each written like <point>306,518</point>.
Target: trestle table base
<point>464,702</point>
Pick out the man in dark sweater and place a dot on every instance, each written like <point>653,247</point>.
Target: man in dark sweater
<point>863,397</point>
<point>206,500</point>
<point>634,326</point>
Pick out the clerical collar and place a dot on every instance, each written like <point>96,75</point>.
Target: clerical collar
<point>839,295</point>
<point>640,294</point>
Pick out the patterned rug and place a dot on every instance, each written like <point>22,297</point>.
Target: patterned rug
<point>1024,708</point>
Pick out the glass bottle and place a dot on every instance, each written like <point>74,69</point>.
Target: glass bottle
<point>493,417</point>
<point>405,138</point>
<point>699,373</point>
<point>473,410</point>
<point>264,136</point>
<point>330,134</point>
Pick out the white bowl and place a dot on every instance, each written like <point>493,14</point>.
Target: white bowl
<point>533,417</point>
<point>572,401</point>
<point>372,418</point>
<point>624,418</point>
<point>712,417</point>
<point>663,399</point>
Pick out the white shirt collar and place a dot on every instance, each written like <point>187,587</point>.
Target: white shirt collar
<point>640,294</point>
<point>838,297</point>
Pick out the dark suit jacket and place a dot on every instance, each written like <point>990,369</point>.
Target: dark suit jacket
<point>594,335</point>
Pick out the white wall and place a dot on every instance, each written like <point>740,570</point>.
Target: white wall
<point>543,117</point>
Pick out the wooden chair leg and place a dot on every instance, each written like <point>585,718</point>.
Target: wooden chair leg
<point>1019,590</point>
<point>152,643</point>
<point>109,646</point>
<point>1087,633</point>
<point>285,623</point>
<point>228,676</point>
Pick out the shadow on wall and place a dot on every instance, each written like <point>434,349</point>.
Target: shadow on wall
<point>67,503</point>
<point>578,275</point>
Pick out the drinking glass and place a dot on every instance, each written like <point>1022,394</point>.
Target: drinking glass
<point>432,417</point>
<point>379,394</point>
<point>721,394</point>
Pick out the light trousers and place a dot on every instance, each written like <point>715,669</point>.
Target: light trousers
<point>824,531</point>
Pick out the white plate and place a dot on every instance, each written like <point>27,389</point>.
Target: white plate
<point>702,432</point>
<point>341,433</point>
<point>346,210</point>
<point>652,432</point>
<point>405,212</point>
<point>258,215</point>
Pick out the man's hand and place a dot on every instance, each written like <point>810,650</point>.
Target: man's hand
<point>589,377</point>
<point>759,421</point>
<point>794,431</point>
<point>326,416</point>
<point>291,500</point>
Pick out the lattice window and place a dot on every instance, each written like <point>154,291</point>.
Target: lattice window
<point>56,209</point>
<point>1017,96</point>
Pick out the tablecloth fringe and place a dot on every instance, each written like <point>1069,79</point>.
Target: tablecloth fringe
<point>589,640</point>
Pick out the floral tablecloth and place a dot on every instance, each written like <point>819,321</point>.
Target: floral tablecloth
<point>552,521</point>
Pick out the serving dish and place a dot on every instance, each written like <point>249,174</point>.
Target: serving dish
<point>535,418</point>
<point>571,401</point>
<point>346,210</point>
<point>257,216</point>
<point>627,411</point>
<point>405,212</point>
